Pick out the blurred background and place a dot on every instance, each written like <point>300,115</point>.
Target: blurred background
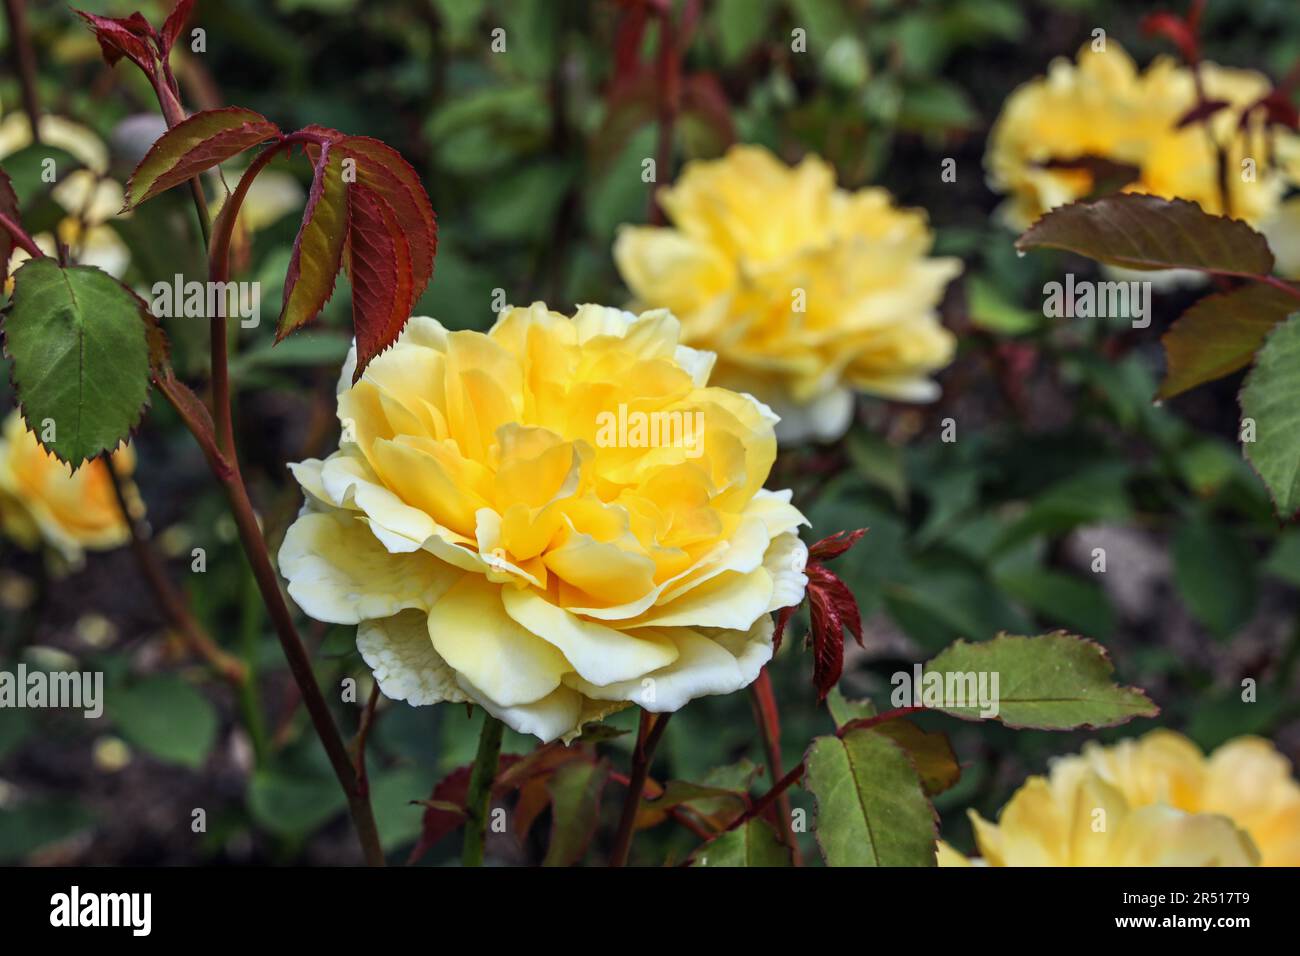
<point>532,158</point>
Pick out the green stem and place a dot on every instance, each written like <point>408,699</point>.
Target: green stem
<point>478,800</point>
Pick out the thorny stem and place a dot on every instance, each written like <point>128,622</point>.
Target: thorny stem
<point>173,605</point>
<point>478,798</point>
<point>363,735</point>
<point>648,734</point>
<point>218,444</point>
<point>20,44</point>
<point>764,703</point>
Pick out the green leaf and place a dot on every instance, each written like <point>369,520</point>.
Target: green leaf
<point>843,710</point>
<point>1063,599</point>
<point>166,717</point>
<point>992,311</point>
<point>79,341</point>
<point>294,806</point>
<point>871,807</point>
<point>1053,682</point>
<point>575,809</point>
<point>1220,334</point>
<point>1271,398</point>
<point>741,24</point>
<point>754,844</point>
<point>1138,231</point>
<point>1215,573</point>
<point>32,825</point>
<point>198,143</point>
<point>1284,561</point>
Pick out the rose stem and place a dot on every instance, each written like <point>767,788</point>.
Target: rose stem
<point>647,740</point>
<point>478,797</point>
<point>765,715</point>
<point>220,451</point>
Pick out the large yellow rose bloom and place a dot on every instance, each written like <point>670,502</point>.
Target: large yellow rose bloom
<point>514,519</point>
<point>1102,106</point>
<point>43,499</point>
<point>1163,803</point>
<point>805,292</point>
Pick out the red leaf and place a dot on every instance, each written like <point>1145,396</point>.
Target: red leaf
<point>436,824</point>
<point>782,619</point>
<point>379,260</point>
<point>453,789</point>
<point>828,642</point>
<point>382,169</point>
<point>318,247</point>
<point>200,142</point>
<point>703,96</point>
<point>834,545</point>
<point>1174,28</point>
<point>119,37</point>
<point>838,595</point>
<point>175,23</point>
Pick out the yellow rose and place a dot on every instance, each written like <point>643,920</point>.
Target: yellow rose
<point>1242,799</point>
<point>1246,780</point>
<point>804,291</point>
<point>1078,819</point>
<point>89,197</point>
<point>43,499</point>
<point>554,520</point>
<point>1103,107</point>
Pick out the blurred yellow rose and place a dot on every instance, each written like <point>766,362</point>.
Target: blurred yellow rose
<point>1246,780</point>
<point>554,519</point>
<point>88,195</point>
<point>1158,801</point>
<point>43,499</point>
<point>806,292</point>
<point>1103,107</point>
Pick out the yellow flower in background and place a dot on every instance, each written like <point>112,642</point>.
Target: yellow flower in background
<point>805,292</point>
<point>1160,802</point>
<point>87,195</point>
<point>1102,106</point>
<point>43,499</point>
<point>554,520</point>
<point>1246,780</point>
<point>1078,819</point>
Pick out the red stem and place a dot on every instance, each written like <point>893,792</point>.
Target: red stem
<point>651,729</point>
<point>769,727</point>
<point>21,237</point>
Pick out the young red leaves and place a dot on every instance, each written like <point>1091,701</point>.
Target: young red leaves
<point>831,609</point>
<point>392,238</point>
<point>204,140</point>
<point>367,212</point>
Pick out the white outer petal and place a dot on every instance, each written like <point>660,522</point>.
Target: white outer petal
<point>406,667</point>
